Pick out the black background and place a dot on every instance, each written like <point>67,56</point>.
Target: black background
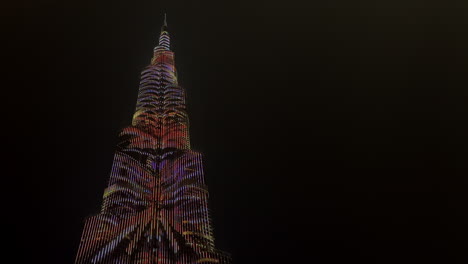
<point>332,131</point>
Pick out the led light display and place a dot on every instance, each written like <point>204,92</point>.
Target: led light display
<point>155,208</point>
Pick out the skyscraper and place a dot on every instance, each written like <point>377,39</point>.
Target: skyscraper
<point>155,208</point>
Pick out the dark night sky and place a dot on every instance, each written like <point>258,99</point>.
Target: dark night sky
<point>332,131</point>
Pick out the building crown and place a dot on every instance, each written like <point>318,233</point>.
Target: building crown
<point>164,40</point>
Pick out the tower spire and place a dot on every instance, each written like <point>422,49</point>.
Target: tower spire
<point>164,40</point>
<point>164,26</point>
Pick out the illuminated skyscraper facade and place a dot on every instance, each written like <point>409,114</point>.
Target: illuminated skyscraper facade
<point>155,208</point>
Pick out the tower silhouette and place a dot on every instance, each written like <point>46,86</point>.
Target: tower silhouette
<point>155,208</point>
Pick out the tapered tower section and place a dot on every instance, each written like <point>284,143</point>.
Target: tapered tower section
<point>155,209</point>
